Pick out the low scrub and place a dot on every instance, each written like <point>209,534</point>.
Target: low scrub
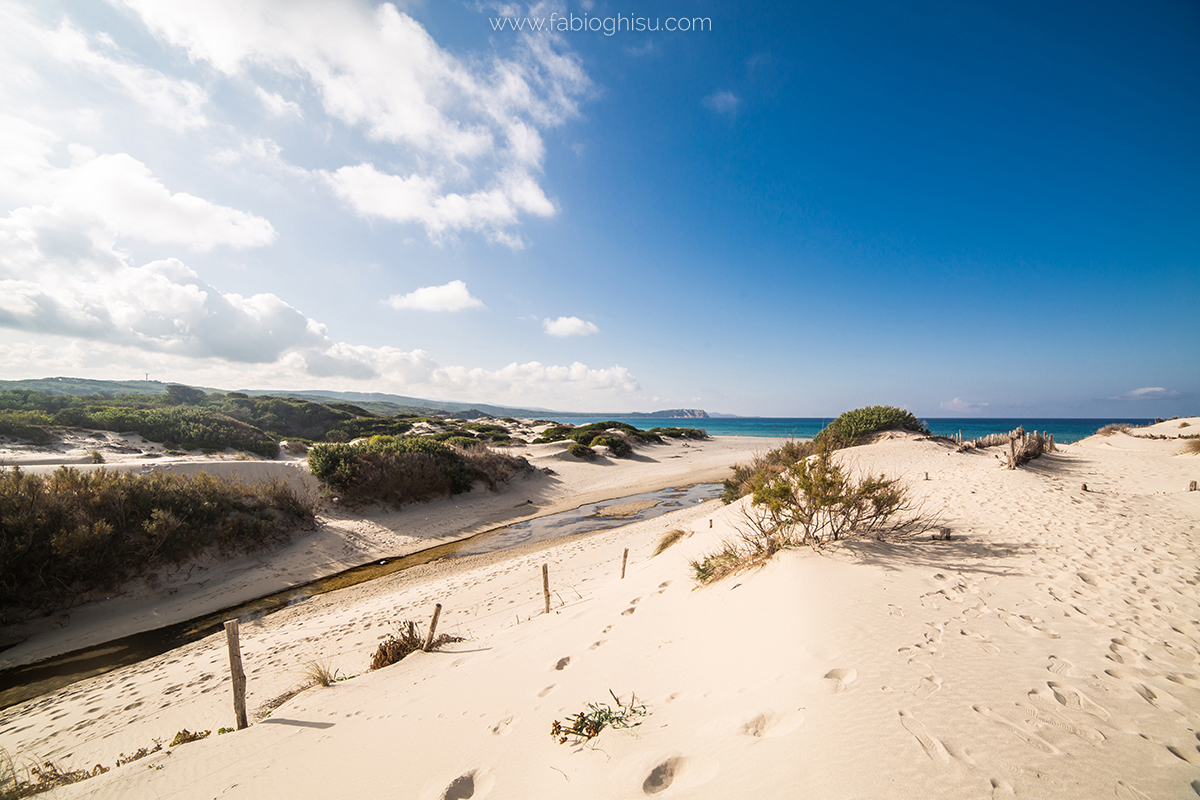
<point>617,436</point>
<point>406,641</point>
<point>581,451</point>
<point>69,533</point>
<point>1192,446</point>
<point>1116,427</point>
<point>815,501</point>
<point>851,427</point>
<point>680,433</point>
<point>764,467</point>
<point>394,470</point>
<point>587,724</point>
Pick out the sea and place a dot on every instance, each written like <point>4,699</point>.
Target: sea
<point>1065,430</point>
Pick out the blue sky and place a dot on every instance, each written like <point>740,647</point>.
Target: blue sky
<point>977,209</point>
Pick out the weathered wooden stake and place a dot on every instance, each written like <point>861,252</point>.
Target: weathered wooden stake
<point>236,673</point>
<point>546,585</point>
<point>624,561</point>
<point>926,476</point>
<point>1192,486</point>
<point>710,523</point>
<point>437,612</point>
<point>1083,487</point>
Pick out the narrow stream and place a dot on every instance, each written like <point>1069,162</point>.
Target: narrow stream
<point>28,681</point>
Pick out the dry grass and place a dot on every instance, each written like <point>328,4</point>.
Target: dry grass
<point>320,673</point>
<point>1116,427</point>
<point>1192,446</point>
<point>406,641</point>
<point>669,538</point>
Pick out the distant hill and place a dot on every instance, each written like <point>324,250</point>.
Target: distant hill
<point>375,402</point>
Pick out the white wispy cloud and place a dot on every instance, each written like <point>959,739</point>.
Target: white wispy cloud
<point>722,102</point>
<point>277,105</point>
<point>961,406</point>
<point>452,296</point>
<point>468,135</point>
<point>569,326</point>
<point>1147,393</point>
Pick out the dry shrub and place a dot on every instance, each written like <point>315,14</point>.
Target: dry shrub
<point>1025,448</point>
<point>494,468</point>
<point>669,538</point>
<point>1192,446</point>
<point>1116,427</point>
<point>406,641</point>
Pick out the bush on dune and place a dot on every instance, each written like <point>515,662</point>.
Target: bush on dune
<point>394,470</point>
<point>852,426</point>
<point>69,533</point>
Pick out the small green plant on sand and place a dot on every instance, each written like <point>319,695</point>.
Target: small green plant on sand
<point>587,724</point>
<point>185,736</point>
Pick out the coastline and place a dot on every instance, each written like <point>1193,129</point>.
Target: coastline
<point>1048,649</point>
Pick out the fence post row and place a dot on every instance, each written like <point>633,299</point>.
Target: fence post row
<point>546,585</point>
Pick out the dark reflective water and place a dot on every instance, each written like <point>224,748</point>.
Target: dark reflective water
<point>33,680</point>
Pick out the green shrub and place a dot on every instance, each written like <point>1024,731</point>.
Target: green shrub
<point>680,433</point>
<point>581,451</point>
<point>462,441</point>
<point>69,533</point>
<point>847,429</point>
<point>764,466</point>
<point>395,470</point>
<point>616,445</point>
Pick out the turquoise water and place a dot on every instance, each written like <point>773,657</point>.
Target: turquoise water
<point>1065,430</point>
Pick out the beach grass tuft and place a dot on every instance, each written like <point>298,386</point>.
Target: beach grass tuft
<point>1192,446</point>
<point>669,538</point>
<point>1116,427</point>
<point>320,673</point>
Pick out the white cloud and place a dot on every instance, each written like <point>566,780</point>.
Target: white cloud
<point>569,326</point>
<point>722,102</point>
<point>452,296</point>
<point>177,104</point>
<point>277,105</point>
<point>116,192</point>
<point>468,133</point>
<point>1147,393</point>
<point>961,406</point>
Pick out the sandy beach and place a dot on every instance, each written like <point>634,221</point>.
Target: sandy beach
<point>1050,648</point>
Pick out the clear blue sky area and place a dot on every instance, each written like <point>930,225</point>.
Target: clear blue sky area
<point>795,209</point>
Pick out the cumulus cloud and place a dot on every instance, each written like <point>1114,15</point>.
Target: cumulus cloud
<point>452,296</point>
<point>569,326</point>
<point>1147,393</point>
<point>961,406</point>
<point>468,133</point>
<point>116,191</point>
<point>722,102</point>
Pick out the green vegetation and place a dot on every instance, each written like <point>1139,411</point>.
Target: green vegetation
<point>764,467</point>
<point>813,501</point>
<point>70,533</point>
<point>394,470</point>
<point>581,451</point>
<point>680,433</point>
<point>852,426</point>
<point>616,436</point>
<point>587,724</point>
<point>185,736</point>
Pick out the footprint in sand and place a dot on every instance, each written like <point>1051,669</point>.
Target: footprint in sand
<point>984,641</point>
<point>472,785</point>
<point>663,775</point>
<point>932,747</point>
<point>596,644</point>
<point>504,726</point>
<point>1030,738</point>
<point>1184,754</point>
<point>836,680</point>
<point>1060,666</point>
<point>1124,791</point>
<point>895,611</point>
<point>1075,700</point>
<point>547,690</point>
<point>771,724</point>
<point>562,663</point>
<point>628,611</point>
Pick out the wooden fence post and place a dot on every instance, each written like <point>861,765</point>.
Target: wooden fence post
<point>546,585</point>
<point>437,611</point>
<point>624,561</point>
<point>1192,486</point>
<point>236,673</point>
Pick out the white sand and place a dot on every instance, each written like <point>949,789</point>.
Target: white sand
<point>1048,650</point>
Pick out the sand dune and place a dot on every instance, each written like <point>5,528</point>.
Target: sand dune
<point>1050,648</point>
